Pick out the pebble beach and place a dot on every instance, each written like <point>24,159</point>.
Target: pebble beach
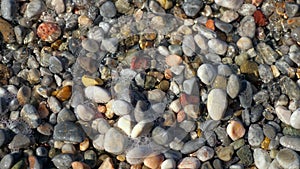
<point>149,84</point>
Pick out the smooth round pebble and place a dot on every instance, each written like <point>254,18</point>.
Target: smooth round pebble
<point>235,130</point>
<point>295,119</point>
<point>205,153</point>
<point>189,162</point>
<point>207,73</point>
<point>262,159</point>
<point>288,158</point>
<point>115,142</point>
<point>255,135</point>
<point>217,103</point>
<point>291,142</point>
<point>97,94</point>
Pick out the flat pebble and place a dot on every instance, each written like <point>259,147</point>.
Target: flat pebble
<point>126,123</point>
<point>205,153</point>
<point>217,103</point>
<point>153,161</point>
<point>229,16</point>
<point>244,43</point>
<point>233,86</point>
<point>34,9</point>
<point>62,160</point>
<point>114,142</point>
<point>168,164</point>
<point>192,145</point>
<point>231,4</point>
<point>68,131</point>
<point>207,73</point>
<point>247,27</point>
<point>225,153</point>
<point>173,60</point>
<point>98,142</point>
<point>54,104</point>
<point>7,161</point>
<point>189,162</point>
<point>262,159</point>
<point>101,125</point>
<point>191,8</point>
<point>85,112</point>
<point>90,45</point>
<point>142,127</point>
<point>283,114</point>
<point>188,45</point>
<point>255,135</point>
<point>30,115</point>
<point>246,94</point>
<point>108,9</point>
<point>217,46</point>
<point>97,94</point>
<point>245,154</point>
<point>19,141</point>
<point>291,142</point>
<point>161,136</point>
<point>295,119</point>
<point>288,158</point>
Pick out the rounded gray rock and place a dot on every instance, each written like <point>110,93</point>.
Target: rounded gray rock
<point>114,141</point>
<point>217,46</point>
<point>288,159</point>
<point>233,86</point>
<point>295,119</point>
<point>231,4</point>
<point>68,131</point>
<point>291,142</point>
<point>97,94</point>
<point>262,159</point>
<point>30,115</point>
<point>108,9</point>
<point>217,103</point>
<point>255,135</point>
<point>207,73</point>
<point>90,45</point>
<point>205,153</point>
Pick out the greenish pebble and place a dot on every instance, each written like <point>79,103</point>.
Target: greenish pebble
<point>245,155</point>
<point>288,130</point>
<point>20,165</point>
<point>53,152</point>
<point>240,59</point>
<point>238,144</point>
<point>150,82</point>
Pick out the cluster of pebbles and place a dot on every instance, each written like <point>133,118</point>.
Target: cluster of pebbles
<point>207,84</point>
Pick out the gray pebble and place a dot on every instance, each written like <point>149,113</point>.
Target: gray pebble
<point>55,65</point>
<point>290,88</point>
<point>205,153</point>
<point>231,4</point>
<point>247,27</point>
<point>245,154</point>
<point>262,159</point>
<point>41,152</point>
<point>63,161</point>
<point>265,73</point>
<point>110,45</point>
<point>108,9</point>
<point>207,73</point>
<point>255,135</point>
<point>7,8</point>
<point>188,45</point>
<point>97,94</point>
<point>88,64</point>
<point>54,104</point>
<point>65,115</point>
<point>98,142</point>
<point>291,142</point>
<point>288,158</point>
<point>161,136</point>
<point>34,9</point>
<point>192,145</point>
<point>85,113</point>
<point>175,49</point>
<point>247,9</point>
<point>90,45</point>
<point>233,86</point>
<point>19,141</point>
<point>223,26</point>
<point>217,46</point>
<point>217,103</point>
<point>168,164</point>
<point>137,154</point>
<point>269,131</point>
<point>115,142</point>
<point>295,119</point>
<point>7,161</point>
<point>101,125</point>
<point>192,7</point>
<point>245,94</point>
<point>267,53</point>
<point>30,115</point>
<point>68,131</point>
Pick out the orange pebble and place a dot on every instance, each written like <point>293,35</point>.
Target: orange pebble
<point>48,31</point>
<point>210,24</point>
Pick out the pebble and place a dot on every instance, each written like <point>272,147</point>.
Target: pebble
<point>138,154</point>
<point>217,46</point>
<point>7,7</point>
<point>173,60</point>
<point>123,6</point>
<point>269,131</point>
<point>108,9</point>
<point>54,104</point>
<point>7,161</point>
<point>205,153</point>
<point>192,145</point>
<point>59,6</point>
<point>115,142</point>
<point>110,45</point>
<point>48,31</point>
<point>295,119</point>
<point>62,160</point>
<point>88,64</point>
<point>255,135</point>
<point>153,161</point>
<point>235,130</point>
<point>30,115</point>
<point>262,159</point>
<point>98,142</point>
<point>207,73</point>
<point>189,162</point>
<point>97,94</point>
<point>107,164</point>
<point>216,103</point>
<point>85,112</point>
<point>192,110</point>
<point>126,123</point>
<point>45,129</point>
<point>65,115</point>
<point>91,81</point>
<point>55,65</point>
<point>90,45</point>
<point>247,9</point>
<point>68,131</point>
<point>290,88</point>
<point>188,45</point>
<point>161,136</point>
<point>168,164</point>
<point>24,95</point>
<point>19,141</point>
<point>287,158</point>
<point>291,142</point>
<point>245,94</point>
<point>34,9</point>
<point>233,86</point>
<point>247,27</point>
<point>245,154</point>
<point>265,73</point>
<point>191,8</point>
<point>141,127</point>
<point>244,43</point>
<point>283,114</point>
<point>7,32</point>
<point>101,125</point>
<point>224,153</point>
<point>79,165</point>
<point>267,53</point>
<point>231,4</point>
<point>202,42</point>
<point>229,16</point>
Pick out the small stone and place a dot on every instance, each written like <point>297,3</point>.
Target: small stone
<point>54,104</point>
<point>48,31</point>
<point>265,73</point>
<point>55,65</point>
<point>85,112</point>
<point>291,142</point>
<point>295,119</point>
<point>7,7</point>
<point>58,5</point>
<point>255,135</point>
<point>98,142</point>
<point>247,27</point>
<point>168,164</point>
<point>30,115</point>
<point>83,146</point>
<point>142,127</point>
<point>245,154</point>
<point>121,107</point>
<point>261,158</point>
<point>290,88</point>
<point>114,142</point>
<point>245,95</point>
<point>97,94</point>
<point>188,45</point>
<point>283,114</point>
<point>201,42</point>
<point>34,9</point>
<point>138,154</point>
<point>247,9</point>
<point>217,46</point>
<point>7,161</point>
<point>24,95</point>
<point>126,124</point>
<point>231,4</point>
<point>244,43</point>
<point>108,9</point>
<point>260,18</point>
<point>63,93</point>
<point>173,60</point>
<point>225,153</point>
<point>192,110</point>
<point>19,141</point>
<point>68,131</point>
<point>229,16</point>
<point>45,129</point>
<point>191,8</point>
<point>189,162</point>
<point>123,6</point>
<point>90,45</point>
<point>153,161</point>
<point>207,73</point>
<point>267,53</point>
<point>107,164</point>
<point>160,136</point>
<point>192,145</point>
<point>205,153</point>
<point>233,86</point>
<point>88,64</point>
<point>288,158</point>
<point>62,160</point>
<point>85,21</point>
<point>110,45</point>
<point>217,103</point>
<point>34,162</point>
<point>235,130</point>
<point>65,115</point>
<point>166,4</point>
<point>79,165</point>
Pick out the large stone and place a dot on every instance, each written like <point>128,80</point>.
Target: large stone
<point>115,142</point>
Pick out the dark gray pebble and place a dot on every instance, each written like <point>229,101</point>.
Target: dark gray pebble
<point>68,131</point>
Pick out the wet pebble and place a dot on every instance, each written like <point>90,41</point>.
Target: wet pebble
<point>7,161</point>
<point>205,153</point>
<point>85,112</point>
<point>245,154</point>
<point>19,141</point>
<point>68,131</point>
<point>295,119</point>
<point>217,46</point>
<point>30,115</point>
<point>62,160</point>
<point>191,8</point>
<point>225,153</point>
<point>34,9</point>
<point>206,73</point>
<point>7,7</point>
<point>115,142</point>
<point>235,130</point>
<point>55,65</point>
<point>168,163</point>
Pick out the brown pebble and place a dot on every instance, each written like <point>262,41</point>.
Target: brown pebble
<point>168,74</point>
<point>84,145</point>
<point>24,95</point>
<point>79,165</point>
<point>4,72</point>
<point>7,31</point>
<point>153,161</point>
<point>107,164</point>
<point>84,20</point>
<point>173,60</point>
<point>235,130</point>
<point>180,116</point>
<point>64,93</point>
<point>43,110</point>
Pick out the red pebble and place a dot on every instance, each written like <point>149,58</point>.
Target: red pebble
<point>48,31</point>
<point>139,62</point>
<point>259,18</point>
